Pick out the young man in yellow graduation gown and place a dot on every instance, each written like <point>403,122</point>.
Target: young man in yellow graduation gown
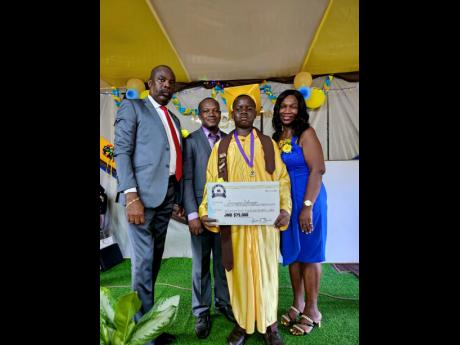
<point>253,277</point>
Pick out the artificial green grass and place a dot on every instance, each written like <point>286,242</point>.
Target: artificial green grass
<point>339,326</point>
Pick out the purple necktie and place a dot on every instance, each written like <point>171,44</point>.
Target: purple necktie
<point>213,139</point>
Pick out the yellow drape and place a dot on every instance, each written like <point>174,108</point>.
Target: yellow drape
<point>253,281</point>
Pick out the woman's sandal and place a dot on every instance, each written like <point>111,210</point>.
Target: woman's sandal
<point>298,330</point>
<point>286,319</point>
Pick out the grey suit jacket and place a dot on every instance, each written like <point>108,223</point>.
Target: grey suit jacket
<point>142,151</point>
<point>197,151</point>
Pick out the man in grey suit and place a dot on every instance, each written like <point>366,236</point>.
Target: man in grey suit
<point>197,150</point>
<point>148,156</point>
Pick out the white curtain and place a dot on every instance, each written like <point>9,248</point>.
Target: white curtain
<point>343,112</point>
<point>115,219</point>
<point>336,122</point>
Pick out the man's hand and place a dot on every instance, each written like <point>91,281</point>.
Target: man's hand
<point>179,210</point>
<point>208,222</point>
<point>283,219</point>
<point>195,227</point>
<point>135,210</point>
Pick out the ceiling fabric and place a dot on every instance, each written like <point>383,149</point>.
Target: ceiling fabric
<point>133,42</point>
<point>227,40</point>
<point>336,48</point>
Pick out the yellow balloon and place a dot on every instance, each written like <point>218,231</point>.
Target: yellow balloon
<point>135,84</point>
<point>302,79</point>
<point>316,99</point>
<point>144,94</point>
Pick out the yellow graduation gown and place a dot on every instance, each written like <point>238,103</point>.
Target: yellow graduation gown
<point>253,281</point>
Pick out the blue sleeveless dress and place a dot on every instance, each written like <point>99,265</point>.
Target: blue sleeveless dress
<point>297,246</point>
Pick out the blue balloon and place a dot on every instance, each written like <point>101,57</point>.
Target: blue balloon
<point>132,94</point>
<point>305,91</point>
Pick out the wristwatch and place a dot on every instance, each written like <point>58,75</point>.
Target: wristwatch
<point>307,203</point>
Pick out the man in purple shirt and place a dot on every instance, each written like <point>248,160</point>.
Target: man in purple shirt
<point>197,150</point>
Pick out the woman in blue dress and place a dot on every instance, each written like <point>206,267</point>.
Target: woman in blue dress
<point>303,243</point>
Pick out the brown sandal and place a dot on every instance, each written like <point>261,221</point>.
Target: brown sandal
<point>286,319</point>
<point>298,330</point>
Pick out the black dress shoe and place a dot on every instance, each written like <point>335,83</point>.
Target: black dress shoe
<point>272,336</point>
<point>237,337</point>
<point>165,339</point>
<point>227,312</point>
<point>203,326</point>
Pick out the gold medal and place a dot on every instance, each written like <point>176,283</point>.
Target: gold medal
<point>252,173</point>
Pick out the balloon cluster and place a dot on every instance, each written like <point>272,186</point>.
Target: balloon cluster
<point>183,110</point>
<point>267,89</point>
<point>135,89</point>
<point>314,97</point>
<point>116,96</point>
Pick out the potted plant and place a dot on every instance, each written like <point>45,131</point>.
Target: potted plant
<point>117,326</point>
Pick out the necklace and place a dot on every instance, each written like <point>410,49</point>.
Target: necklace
<point>250,160</point>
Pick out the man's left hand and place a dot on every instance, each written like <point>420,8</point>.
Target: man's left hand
<point>179,210</point>
<point>283,219</point>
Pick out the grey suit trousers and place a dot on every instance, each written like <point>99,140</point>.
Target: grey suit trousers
<point>202,245</point>
<point>147,243</point>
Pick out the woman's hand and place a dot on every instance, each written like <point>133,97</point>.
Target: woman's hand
<point>306,219</point>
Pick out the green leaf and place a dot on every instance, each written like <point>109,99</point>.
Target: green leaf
<point>118,339</point>
<point>151,328</point>
<point>106,306</point>
<point>164,303</point>
<point>106,332</point>
<point>155,321</point>
<point>125,309</point>
<point>103,333</point>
